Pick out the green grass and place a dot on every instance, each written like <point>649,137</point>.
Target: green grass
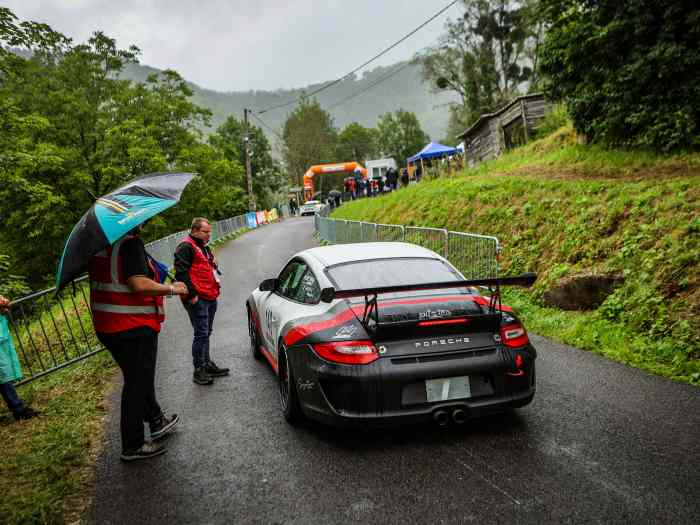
<point>46,462</point>
<point>561,208</point>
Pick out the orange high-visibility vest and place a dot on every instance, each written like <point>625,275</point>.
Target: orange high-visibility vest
<point>115,307</point>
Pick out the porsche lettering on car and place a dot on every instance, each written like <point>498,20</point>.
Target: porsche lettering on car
<point>387,333</point>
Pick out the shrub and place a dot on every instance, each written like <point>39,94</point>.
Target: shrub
<point>629,72</point>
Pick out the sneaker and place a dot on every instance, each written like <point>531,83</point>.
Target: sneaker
<point>201,377</point>
<point>163,426</point>
<point>147,450</point>
<point>214,370</point>
<point>26,413</point>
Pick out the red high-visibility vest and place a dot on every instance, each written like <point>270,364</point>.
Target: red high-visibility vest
<point>202,272</point>
<point>115,307</point>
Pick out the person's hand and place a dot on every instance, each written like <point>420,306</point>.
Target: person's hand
<point>180,288</point>
<point>193,300</point>
<point>4,305</point>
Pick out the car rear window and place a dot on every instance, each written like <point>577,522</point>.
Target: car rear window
<point>390,272</point>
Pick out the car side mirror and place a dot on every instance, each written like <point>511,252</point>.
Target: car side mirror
<point>328,294</point>
<point>268,285</point>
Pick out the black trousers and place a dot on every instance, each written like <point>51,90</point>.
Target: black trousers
<point>135,352</point>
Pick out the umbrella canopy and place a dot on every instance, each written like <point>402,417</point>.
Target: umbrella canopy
<point>334,192</point>
<point>432,150</point>
<point>114,215</point>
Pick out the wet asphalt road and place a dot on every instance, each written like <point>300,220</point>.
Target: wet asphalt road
<point>601,443</point>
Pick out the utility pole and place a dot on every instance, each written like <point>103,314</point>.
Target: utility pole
<point>252,206</point>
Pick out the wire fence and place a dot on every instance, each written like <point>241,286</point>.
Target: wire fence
<point>476,256</point>
<point>51,332</point>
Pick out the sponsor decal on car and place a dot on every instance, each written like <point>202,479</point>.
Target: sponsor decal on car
<point>434,314</point>
<point>346,332</point>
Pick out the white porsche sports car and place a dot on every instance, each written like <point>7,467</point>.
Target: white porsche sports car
<point>432,348</point>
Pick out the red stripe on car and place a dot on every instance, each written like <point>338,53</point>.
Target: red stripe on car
<point>301,331</point>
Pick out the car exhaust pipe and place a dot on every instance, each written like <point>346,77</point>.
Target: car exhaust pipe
<point>459,416</point>
<point>441,417</point>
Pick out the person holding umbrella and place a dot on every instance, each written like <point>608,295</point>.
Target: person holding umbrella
<point>126,297</point>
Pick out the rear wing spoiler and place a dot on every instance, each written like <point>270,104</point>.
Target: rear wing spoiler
<point>370,294</point>
<point>526,280</point>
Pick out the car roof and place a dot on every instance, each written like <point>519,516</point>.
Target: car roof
<point>356,252</point>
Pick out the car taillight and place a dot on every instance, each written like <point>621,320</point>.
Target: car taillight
<point>348,352</point>
<point>443,321</point>
<point>514,335</point>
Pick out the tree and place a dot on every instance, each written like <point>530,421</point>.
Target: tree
<point>309,138</point>
<point>400,135</point>
<point>629,72</point>
<point>484,57</point>
<point>229,140</point>
<point>356,142</point>
<point>69,128</point>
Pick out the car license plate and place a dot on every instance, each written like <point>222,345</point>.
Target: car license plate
<point>447,388</point>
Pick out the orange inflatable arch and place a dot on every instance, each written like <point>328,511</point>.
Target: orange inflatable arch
<point>320,169</point>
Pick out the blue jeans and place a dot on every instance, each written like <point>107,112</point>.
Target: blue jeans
<point>202,318</point>
<point>9,394</point>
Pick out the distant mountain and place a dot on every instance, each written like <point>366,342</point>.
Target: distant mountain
<point>404,90</point>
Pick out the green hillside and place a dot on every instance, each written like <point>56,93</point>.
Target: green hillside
<point>404,90</point>
<point>562,209</point>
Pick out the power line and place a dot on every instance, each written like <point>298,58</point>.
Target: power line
<point>266,126</point>
<point>385,77</point>
<point>392,46</point>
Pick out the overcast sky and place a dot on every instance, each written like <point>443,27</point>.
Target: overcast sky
<point>237,45</point>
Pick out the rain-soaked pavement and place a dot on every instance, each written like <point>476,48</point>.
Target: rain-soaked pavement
<point>601,443</point>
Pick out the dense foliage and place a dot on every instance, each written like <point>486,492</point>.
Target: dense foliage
<point>629,72</point>
<point>399,135</point>
<point>486,57</point>
<point>267,180</point>
<point>71,128</point>
<point>309,138</point>
<point>356,142</point>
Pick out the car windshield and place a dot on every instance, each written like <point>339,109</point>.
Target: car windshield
<point>390,272</point>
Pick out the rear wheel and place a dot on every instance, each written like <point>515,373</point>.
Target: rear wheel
<point>253,334</point>
<point>289,399</point>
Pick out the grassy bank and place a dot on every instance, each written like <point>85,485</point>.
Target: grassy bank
<point>47,461</point>
<point>561,208</point>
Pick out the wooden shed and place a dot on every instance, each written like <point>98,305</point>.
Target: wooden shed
<point>505,128</point>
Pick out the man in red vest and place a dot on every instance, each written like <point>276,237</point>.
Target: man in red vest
<point>126,301</point>
<point>196,267</point>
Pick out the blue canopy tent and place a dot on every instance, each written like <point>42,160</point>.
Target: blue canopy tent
<point>431,151</point>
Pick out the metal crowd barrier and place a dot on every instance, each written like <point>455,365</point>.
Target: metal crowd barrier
<point>51,332</point>
<point>476,256</point>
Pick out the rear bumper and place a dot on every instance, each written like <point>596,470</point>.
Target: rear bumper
<point>472,408</point>
<point>385,393</point>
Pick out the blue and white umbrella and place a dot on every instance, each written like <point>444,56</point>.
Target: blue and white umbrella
<point>114,215</point>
